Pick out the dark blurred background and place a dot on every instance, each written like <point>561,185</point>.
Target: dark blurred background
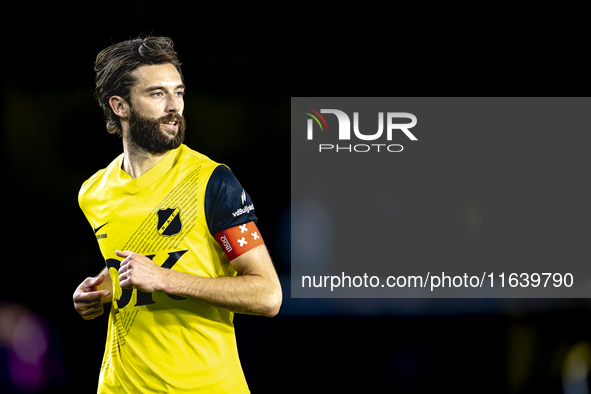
<point>237,103</point>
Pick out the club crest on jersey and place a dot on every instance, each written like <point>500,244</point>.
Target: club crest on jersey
<point>169,222</point>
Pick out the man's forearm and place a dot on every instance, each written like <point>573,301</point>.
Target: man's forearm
<point>250,294</point>
<point>255,289</point>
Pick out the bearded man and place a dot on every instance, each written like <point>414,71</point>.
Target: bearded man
<point>178,235</point>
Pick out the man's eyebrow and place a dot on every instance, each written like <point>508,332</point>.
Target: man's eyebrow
<point>152,88</point>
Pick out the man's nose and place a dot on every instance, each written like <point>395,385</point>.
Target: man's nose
<point>173,104</point>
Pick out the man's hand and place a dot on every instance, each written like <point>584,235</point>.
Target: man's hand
<point>139,272</point>
<point>87,299</point>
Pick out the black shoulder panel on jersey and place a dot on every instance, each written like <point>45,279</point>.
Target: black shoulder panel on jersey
<point>226,203</point>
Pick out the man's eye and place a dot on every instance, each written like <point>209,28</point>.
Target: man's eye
<point>157,94</point>
<point>180,94</point>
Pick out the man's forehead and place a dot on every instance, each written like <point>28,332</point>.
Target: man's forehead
<point>162,74</point>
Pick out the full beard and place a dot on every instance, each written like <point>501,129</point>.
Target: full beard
<point>150,135</point>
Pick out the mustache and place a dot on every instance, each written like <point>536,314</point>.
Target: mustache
<point>172,117</point>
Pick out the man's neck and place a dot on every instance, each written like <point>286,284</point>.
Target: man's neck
<point>137,161</point>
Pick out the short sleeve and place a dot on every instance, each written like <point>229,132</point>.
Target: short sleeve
<point>226,203</point>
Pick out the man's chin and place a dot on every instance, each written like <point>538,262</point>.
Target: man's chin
<point>169,131</point>
<point>154,135</point>
<point>169,134</point>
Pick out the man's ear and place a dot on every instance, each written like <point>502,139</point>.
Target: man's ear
<point>119,106</point>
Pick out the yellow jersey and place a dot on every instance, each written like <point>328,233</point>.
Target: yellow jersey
<point>157,342</point>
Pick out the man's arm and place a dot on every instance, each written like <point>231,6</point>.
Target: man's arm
<point>92,293</point>
<point>255,290</point>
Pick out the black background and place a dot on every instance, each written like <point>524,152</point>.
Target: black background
<point>239,79</point>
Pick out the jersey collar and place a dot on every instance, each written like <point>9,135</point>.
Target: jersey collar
<point>150,176</point>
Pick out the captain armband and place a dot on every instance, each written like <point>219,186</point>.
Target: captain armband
<point>240,239</point>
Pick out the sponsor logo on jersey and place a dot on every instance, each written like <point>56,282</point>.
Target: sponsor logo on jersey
<point>169,222</point>
<point>96,230</point>
<point>243,210</point>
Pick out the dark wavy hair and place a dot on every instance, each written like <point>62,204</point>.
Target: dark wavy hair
<point>114,67</point>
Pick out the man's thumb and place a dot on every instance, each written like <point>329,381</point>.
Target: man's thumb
<point>98,280</point>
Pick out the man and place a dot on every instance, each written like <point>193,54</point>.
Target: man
<point>178,234</point>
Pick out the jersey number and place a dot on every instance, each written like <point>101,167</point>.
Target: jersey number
<point>144,298</point>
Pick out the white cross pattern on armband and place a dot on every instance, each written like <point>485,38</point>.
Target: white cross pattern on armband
<point>242,241</point>
<point>243,228</point>
<point>255,235</point>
